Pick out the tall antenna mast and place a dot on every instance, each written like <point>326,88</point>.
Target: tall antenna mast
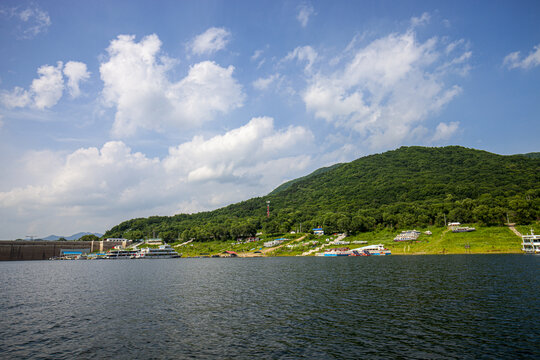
<point>268,209</point>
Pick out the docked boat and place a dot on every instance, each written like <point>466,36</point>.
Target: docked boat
<point>374,250</point>
<point>120,254</point>
<point>360,253</point>
<point>162,252</point>
<point>530,244</point>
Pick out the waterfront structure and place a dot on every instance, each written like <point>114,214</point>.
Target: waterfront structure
<point>530,243</point>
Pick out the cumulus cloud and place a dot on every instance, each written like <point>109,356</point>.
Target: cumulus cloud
<point>96,187</point>
<point>305,11</point>
<point>46,91</point>
<point>387,88</point>
<point>445,131</point>
<point>136,83</point>
<point>225,157</point>
<point>75,72</point>
<point>48,88</point>
<point>210,41</point>
<point>514,60</point>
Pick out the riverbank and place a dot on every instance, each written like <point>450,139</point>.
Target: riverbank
<point>485,240</point>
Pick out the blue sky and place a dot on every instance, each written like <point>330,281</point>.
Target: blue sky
<point>111,110</point>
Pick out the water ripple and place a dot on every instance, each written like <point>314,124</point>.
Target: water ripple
<point>423,307</point>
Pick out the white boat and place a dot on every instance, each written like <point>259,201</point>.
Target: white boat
<point>119,254</point>
<point>162,252</point>
<point>378,249</point>
<point>530,244</point>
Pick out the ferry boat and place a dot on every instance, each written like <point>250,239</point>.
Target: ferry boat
<point>360,253</point>
<point>162,252</point>
<point>530,244</point>
<point>120,254</point>
<point>336,252</point>
<point>374,250</point>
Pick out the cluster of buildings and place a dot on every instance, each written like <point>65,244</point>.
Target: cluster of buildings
<point>275,242</point>
<point>407,235</point>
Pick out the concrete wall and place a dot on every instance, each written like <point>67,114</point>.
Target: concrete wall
<point>44,250</point>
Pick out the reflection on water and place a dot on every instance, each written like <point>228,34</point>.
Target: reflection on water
<point>461,306</point>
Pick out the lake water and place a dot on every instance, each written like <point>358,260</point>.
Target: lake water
<point>426,307</point>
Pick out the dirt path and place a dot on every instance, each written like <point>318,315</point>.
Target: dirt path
<point>185,243</point>
<point>511,227</point>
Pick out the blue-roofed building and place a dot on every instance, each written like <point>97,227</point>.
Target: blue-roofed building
<point>318,231</point>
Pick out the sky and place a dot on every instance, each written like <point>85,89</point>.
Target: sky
<point>111,110</point>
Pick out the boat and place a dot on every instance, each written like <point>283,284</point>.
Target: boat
<point>530,244</point>
<point>360,253</point>
<point>120,254</point>
<point>378,249</point>
<point>336,252</point>
<point>162,252</point>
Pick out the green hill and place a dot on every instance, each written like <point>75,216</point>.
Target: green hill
<point>410,186</point>
<point>533,155</point>
<point>288,184</point>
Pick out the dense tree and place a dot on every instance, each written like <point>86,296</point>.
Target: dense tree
<point>411,186</point>
<point>89,237</point>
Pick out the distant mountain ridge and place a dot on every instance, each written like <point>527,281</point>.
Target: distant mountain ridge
<point>73,237</point>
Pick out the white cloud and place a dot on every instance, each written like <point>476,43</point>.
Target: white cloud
<point>212,40</point>
<point>44,92</point>
<point>29,22</point>
<point>303,53</point>
<point>305,11</point>
<point>264,83</point>
<point>48,88</point>
<point>257,54</point>
<point>422,20</point>
<point>75,72</point>
<point>445,131</point>
<point>513,60</point>
<point>136,83</point>
<point>18,97</point>
<point>93,188</point>
<point>386,89</point>
<point>225,157</point>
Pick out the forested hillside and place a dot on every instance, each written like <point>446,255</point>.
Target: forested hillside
<point>407,187</point>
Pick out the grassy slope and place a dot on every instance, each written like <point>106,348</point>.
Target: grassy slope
<point>484,240</point>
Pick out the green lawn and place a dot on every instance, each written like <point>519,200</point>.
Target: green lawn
<point>442,241</point>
